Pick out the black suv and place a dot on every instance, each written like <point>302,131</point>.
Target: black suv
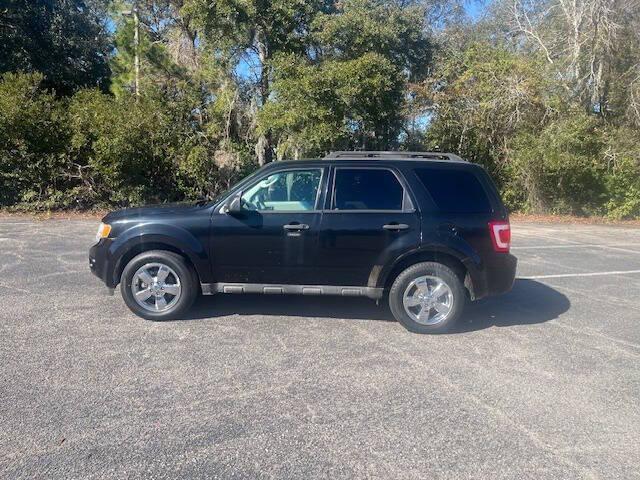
<point>426,229</point>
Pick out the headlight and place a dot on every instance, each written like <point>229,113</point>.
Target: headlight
<point>103,231</point>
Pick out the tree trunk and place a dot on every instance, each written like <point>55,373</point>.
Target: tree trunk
<point>264,144</point>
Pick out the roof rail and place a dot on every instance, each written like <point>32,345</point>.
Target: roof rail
<point>365,154</point>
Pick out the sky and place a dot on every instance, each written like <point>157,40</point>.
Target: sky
<point>474,9</point>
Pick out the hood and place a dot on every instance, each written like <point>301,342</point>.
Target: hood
<point>155,210</point>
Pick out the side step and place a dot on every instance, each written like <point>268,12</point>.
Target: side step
<point>270,289</point>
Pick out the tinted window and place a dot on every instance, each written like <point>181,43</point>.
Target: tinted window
<point>455,191</point>
<point>362,189</point>
<point>294,190</point>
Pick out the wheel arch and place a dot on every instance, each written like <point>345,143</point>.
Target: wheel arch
<point>139,248</point>
<point>454,262</point>
<point>141,239</point>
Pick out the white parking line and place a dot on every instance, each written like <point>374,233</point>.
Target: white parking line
<point>613,248</point>
<point>618,249</point>
<point>591,274</point>
<point>582,245</point>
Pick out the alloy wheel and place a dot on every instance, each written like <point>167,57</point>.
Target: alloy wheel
<point>156,287</point>
<point>428,300</point>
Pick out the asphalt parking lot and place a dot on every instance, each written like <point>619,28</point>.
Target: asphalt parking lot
<point>543,382</point>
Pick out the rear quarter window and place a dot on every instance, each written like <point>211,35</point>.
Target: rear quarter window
<point>454,190</point>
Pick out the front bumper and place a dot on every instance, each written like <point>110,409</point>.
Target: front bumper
<point>99,262</point>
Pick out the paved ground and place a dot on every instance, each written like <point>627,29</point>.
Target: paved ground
<point>543,382</point>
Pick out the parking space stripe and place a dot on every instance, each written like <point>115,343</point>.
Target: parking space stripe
<point>618,249</point>
<point>584,245</point>
<point>590,274</point>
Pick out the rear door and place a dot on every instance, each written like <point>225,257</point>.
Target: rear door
<point>369,220</point>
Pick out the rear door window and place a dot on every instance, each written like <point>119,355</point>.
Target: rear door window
<point>454,190</point>
<point>367,189</point>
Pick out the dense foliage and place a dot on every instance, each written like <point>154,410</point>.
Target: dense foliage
<point>66,40</point>
<point>544,93</point>
<point>94,149</point>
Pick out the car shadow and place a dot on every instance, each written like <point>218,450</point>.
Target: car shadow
<point>529,302</point>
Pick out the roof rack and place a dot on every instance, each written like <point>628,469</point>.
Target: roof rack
<point>365,154</point>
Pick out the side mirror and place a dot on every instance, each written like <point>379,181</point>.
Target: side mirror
<point>234,205</point>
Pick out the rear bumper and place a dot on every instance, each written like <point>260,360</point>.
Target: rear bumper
<point>496,278</point>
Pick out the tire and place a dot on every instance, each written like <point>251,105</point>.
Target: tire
<point>179,288</point>
<point>420,280</point>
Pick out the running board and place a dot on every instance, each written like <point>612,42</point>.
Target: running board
<point>271,289</point>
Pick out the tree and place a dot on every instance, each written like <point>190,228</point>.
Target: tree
<point>544,93</point>
<point>334,104</point>
<point>348,90</point>
<point>483,95</point>
<point>66,40</point>
<point>480,99</point>
<point>592,45</point>
<point>394,31</point>
<point>166,47</point>
<point>260,29</point>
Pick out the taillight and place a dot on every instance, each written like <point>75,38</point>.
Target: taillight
<point>500,236</point>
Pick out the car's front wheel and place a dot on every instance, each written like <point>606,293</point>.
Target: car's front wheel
<point>158,285</point>
<point>427,297</point>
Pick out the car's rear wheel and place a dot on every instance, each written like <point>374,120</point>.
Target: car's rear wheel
<point>158,285</point>
<point>427,297</point>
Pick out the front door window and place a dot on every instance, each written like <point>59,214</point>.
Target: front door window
<point>288,191</point>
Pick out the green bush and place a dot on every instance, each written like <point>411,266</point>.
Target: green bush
<point>97,150</point>
<point>560,169</point>
<point>547,152</point>
<point>575,165</point>
<point>33,140</point>
<point>623,179</point>
<point>128,148</point>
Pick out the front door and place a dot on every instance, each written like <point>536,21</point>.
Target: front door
<point>369,222</point>
<point>274,239</point>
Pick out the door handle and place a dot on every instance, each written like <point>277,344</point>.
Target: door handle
<point>396,226</point>
<point>296,226</point>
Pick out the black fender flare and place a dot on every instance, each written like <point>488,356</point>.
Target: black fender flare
<point>156,236</point>
<point>470,260</point>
